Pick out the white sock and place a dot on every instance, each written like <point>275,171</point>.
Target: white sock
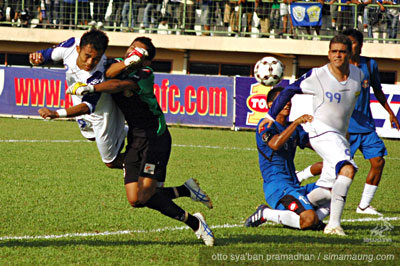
<point>319,196</point>
<point>304,174</point>
<point>323,211</point>
<point>287,218</point>
<point>339,193</point>
<point>367,195</point>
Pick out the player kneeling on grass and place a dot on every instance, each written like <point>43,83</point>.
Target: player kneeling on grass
<point>149,142</point>
<point>301,207</point>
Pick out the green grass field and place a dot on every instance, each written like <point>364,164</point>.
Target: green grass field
<point>59,205</point>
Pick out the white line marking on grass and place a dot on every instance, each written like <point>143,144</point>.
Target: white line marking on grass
<point>174,145</point>
<point>176,228</point>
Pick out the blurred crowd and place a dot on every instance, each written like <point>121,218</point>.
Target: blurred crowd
<point>379,19</point>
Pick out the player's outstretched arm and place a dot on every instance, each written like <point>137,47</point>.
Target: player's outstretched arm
<point>73,111</point>
<point>279,140</point>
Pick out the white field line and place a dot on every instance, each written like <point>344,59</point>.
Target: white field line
<point>176,228</point>
<point>174,145</point>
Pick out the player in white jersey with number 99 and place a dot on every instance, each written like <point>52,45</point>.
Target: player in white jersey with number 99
<point>335,88</point>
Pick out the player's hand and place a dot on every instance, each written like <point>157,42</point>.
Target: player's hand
<point>304,119</point>
<point>135,58</point>
<point>264,122</point>
<point>36,58</point>
<point>394,122</point>
<point>79,88</point>
<point>47,114</point>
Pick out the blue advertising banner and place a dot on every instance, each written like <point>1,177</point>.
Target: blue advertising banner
<point>251,101</point>
<point>306,14</point>
<point>191,100</point>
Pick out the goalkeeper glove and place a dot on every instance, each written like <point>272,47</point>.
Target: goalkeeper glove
<point>135,57</point>
<point>79,88</point>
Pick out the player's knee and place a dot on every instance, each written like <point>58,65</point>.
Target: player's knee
<point>114,165</point>
<point>136,204</point>
<point>377,163</point>
<point>308,219</point>
<point>347,170</point>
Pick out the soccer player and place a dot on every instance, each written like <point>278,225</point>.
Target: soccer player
<point>362,134</point>
<point>97,115</point>
<point>362,131</point>
<point>335,87</point>
<point>276,147</point>
<point>149,143</point>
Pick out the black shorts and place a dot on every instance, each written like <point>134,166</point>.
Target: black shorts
<point>147,157</point>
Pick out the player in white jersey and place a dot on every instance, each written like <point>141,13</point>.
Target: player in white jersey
<point>335,88</point>
<point>99,118</point>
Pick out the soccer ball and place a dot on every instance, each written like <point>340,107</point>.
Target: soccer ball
<point>269,71</point>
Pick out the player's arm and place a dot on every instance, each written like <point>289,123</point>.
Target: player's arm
<point>51,54</point>
<point>380,96</point>
<point>73,111</point>
<point>133,61</point>
<point>278,140</point>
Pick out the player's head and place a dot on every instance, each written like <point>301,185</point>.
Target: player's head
<point>340,48</point>
<point>91,48</point>
<point>145,43</point>
<point>271,96</point>
<point>356,38</point>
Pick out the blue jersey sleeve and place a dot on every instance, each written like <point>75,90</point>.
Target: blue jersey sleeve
<point>374,75</point>
<point>47,53</point>
<point>91,99</point>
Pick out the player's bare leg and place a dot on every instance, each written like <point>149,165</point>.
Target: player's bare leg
<point>371,185</point>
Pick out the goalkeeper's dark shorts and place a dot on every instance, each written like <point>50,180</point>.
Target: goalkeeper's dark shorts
<point>147,157</point>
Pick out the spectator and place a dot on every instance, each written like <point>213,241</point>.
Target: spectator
<point>117,6</point>
<point>231,16</point>
<point>99,12</point>
<point>208,9</point>
<point>275,16</point>
<point>375,18</point>
<point>263,10</point>
<point>392,15</point>
<point>344,14</point>
<point>247,8</point>
<point>151,14</point>
<point>286,18</point>
<point>129,24</point>
<point>67,10</point>
<point>84,11</point>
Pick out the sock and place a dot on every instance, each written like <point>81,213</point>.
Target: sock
<point>304,174</point>
<point>367,195</point>
<point>162,203</point>
<point>339,193</point>
<point>319,196</point>
<point>175,192</point>
<point>323,211</point>
<point>287,218</point>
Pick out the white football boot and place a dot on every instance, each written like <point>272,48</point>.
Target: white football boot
<point>204,232</point>
<point>368,210</point>
<point>338,230</point>
<point>197,194</point>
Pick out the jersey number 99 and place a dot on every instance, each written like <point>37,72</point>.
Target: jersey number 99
<point>333,96</point>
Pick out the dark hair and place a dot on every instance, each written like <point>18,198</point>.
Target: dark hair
<point>151,49</point>
<point>273,93</point>
<point>356,34</point>
<point>96,38</point>
<point>341,39</point>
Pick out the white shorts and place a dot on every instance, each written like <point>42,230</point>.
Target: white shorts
<point>284,9</point>
<point>333,149</point>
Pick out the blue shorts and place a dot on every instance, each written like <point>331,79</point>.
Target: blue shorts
<point>370,145</point>
<point>291,198</point>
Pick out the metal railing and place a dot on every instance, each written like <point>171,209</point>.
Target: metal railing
<point>191,17</point>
